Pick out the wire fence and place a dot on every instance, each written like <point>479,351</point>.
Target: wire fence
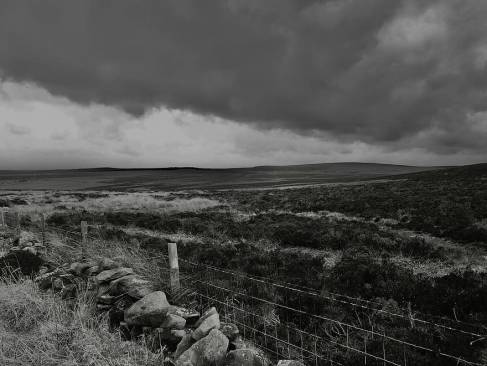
<point>316,327</point>
<point>279,319</point>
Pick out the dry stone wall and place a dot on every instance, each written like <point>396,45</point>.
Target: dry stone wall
<point>136,309</point>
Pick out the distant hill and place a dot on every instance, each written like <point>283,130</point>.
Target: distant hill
<point>182,178</point>
<point>457,172</point>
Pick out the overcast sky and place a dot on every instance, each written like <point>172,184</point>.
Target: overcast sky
<point>224,83</point>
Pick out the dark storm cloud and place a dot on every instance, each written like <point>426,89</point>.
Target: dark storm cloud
<point>379,71</point>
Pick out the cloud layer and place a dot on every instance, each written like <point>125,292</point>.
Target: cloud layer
<point>390,75</point>
<point>39,131</point>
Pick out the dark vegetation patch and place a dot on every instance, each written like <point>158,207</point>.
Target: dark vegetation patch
<point>25,262</point>
<point>445,203</point>
<point>16,201</point>
<point>287,230</point>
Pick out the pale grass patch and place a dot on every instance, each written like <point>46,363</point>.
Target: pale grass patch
<point>40,329</point>
<point>50,202</point>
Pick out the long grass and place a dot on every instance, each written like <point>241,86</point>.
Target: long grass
<point>40,329</point>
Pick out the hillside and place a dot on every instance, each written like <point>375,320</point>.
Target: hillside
<point>194,178</point>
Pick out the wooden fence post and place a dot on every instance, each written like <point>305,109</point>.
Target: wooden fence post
<point>173,267</point>
<point>2,218</point>
<point>43,228</point>
<point>17,223</point>
<point>84,233</point>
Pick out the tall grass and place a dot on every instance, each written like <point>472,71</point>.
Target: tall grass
<point>40,329</point>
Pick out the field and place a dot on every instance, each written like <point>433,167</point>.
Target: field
<point>411,241</point>
<point>175,179</point>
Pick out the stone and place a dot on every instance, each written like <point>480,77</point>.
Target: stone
<point>230,330</point>
<point>173,321</point>
<point>208,351</point>
<point>106,263</point>
<point>102,289</point>
<point>31,250</point>
<point>244,357</point>
<point>45,281</point>
<point>186,342</point>
<point>92,271</point>
<point>103,307</point>
<point>106,299</point>
<point>113,274</point>
<point>78,268</point>
<point>26,238</point>
<point>168,362</point>
<point>209,323</point>
<point>151,310</point>
<point>290,363</point>
<point>205,315</point>
<point>190,316</point>
<point>131,285</point>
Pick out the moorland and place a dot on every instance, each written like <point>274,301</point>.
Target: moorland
<point>409,240</point>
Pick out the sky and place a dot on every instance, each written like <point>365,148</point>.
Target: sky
<point>228,83</point>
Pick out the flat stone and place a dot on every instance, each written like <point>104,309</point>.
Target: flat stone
<point>31,250</point>
<point>102,307</point>
<point>131,285</point>
<point>209,323</point>
<point>205,315</point>
<point>173,321</point>
<point>113,274</point>
<point>106,299</point>
<point>107,263</point>
<point>78,268</point>
<point>190,316</point>
<point>208,351</point>
<point>151,310</point>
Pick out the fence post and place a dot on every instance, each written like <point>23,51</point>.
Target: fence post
<point>173,267</point>
<point>2,218</point>
<point>43,228</point>
<point>84,233</point>
<point>17,228</point>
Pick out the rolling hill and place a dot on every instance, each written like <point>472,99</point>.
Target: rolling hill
<point>197,178</point>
